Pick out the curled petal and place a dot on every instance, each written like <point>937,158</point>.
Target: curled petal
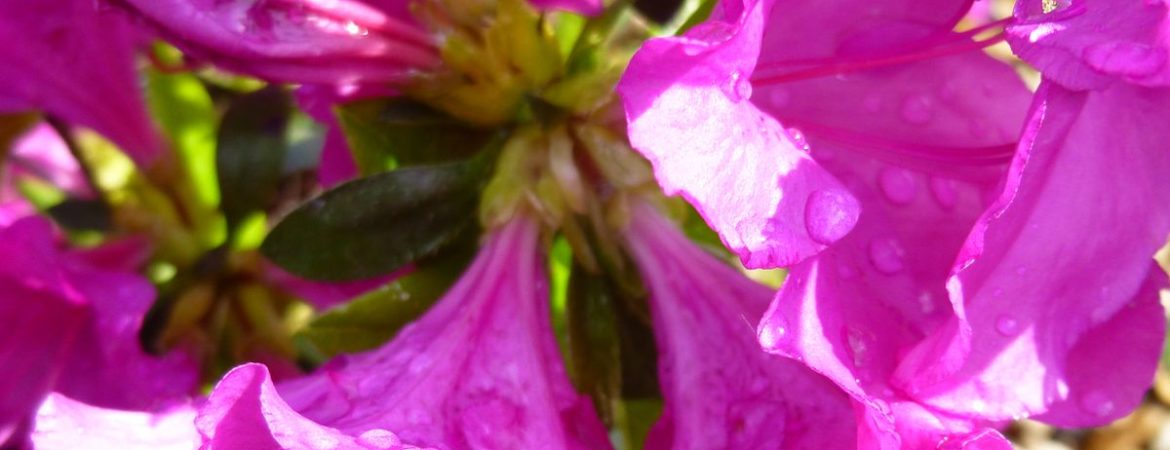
<point>303,41</point>
<point>1088,44</point>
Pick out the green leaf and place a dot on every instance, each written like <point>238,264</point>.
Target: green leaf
<point>250,151</point>
<point>385,134</point>
<point>375,317</point>
<point>593,339</point>
<point>375,225</point>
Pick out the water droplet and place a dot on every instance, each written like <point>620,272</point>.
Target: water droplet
<point>1097,402</point>
<point>771,333</point>
<point>829,215</point>
<point>1007,326</point>
<point>886,256</point>
<point>917,109</point>
<point>1125,58</point>
<point>739,87</point>
<point>692,49</point>
<point>944,192</point>
<point>779,97</point>
<point>353,29</point>
<point>798,139</point>
<point>898,185</point>
<point>859,343</point>
<point>926,302</point>
<point>379,438</point>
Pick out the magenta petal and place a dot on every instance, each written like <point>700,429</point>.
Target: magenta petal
<point>1131,342</point>
<point>324,295</point>
<point>687,104</point>
<point>721,390</point>
<point>1090,43</point>
<point>63,424</point>
<point>75,62</point>
<point>1062,251</point>
<point>43,317</point>
<point>245,411</point>
<point>304,41</point>
<point>41,153</point>
<point>480,370</point>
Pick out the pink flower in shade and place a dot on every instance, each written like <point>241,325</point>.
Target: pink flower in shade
<point>721,391</point>
<point>73,328</point>
<point>74,60</point>
<point>480,370</point>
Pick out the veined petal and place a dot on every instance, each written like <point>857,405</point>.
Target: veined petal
<point>687,101</point>
<point>721,391</point>
<point>72,61</point>
<point>479,370</point>
<point>301,41</point>
<point>63,424</point>
<point>1088,44</point>
<point>1062,252</point>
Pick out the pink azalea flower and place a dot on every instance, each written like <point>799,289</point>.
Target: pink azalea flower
<point>75,61</point>
<point>964,294</point>
<point>480,370</point>
<point>73,328</point>
<point>721,391</point>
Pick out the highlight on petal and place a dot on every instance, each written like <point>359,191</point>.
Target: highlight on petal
<point>302,41</point>
<point>687,101</point>
<point>1064,249</point>
<point>77,63</point>
<point>1087,44</point>
<point>63,424</point>
<point>480,370</point>
<point>721,391</point>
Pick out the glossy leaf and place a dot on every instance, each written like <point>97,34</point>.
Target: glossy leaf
<point>375,317</point>
<point>250,149</point>
<point>384,134</point>
<point>375,225</point>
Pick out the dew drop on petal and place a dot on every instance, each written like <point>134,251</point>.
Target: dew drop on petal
<point>917,109</point>
<point>739,87</point>
<point>944,192</point>
<point>379,438</point>
<point>829,215</point>
<point>859,345</point>
<point>1007,325</point>
<point>798,139</point>
<point>1097,402</point>
<point>1125,58</point>
<point>886,256</point>
<point>771,333</point>
<point>899,186</point>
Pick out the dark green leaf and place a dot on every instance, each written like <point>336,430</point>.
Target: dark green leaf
<point>593,339</point>
<point>374,318</point>
<point>250,152</point>
<point>79,214</point>
<point>375,225</point>
<point>384,134</point>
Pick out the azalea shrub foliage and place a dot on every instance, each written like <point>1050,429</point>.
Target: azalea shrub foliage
<point>528,224</point>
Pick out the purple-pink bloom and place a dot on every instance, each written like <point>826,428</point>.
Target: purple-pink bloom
<point>721,391</point>
<point>76,61</point>
<point>480,370</point>
<point>976,285</point>
<point>73,328</point>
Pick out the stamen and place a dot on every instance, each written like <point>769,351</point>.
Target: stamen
<point>158,64</point>
<point>823,67</point>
